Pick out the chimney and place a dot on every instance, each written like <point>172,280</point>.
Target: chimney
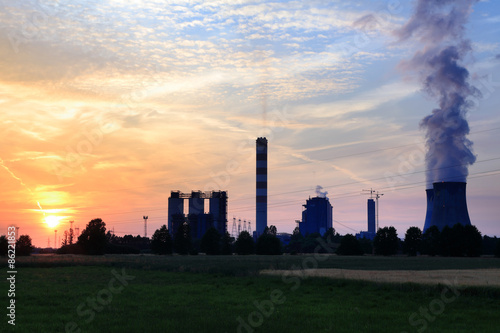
<point>261,187</point>
<point>449,205</point>
<point>371,216</point>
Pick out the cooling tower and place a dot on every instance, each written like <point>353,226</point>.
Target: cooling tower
<point>449,205</point>
<point>261,187</point>
<point>430,205</point>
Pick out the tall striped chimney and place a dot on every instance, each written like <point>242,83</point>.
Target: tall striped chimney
<point>261,184</point>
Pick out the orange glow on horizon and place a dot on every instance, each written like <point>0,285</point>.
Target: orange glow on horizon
<point>52,221</point>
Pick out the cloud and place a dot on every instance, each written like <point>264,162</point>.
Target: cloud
<point>362,102</point>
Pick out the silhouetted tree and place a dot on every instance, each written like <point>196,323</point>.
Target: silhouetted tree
<point>472,241</point>
<point>68,237</point>
<point>329,233</point>
<point>161,241</point>
<point>210,242</point>
<point>457,241</point>
<point>366,245</point>
<point>311,243</point>
<point>497,250</point>
<point>226,244</point>
<point>413,240</point>
<point>268,244</point>
<point>386,241</point>
<point>349,246</point>
<point>182,239</point>
<point>93,238</point>
<point>23,246</point>
<point>71,236</point>
<point>489,245</point>
<point>431,239</point>
<point>65,239</point>
<point>296,241</point>
<point>244,244</point>
<point>272,230</point>
<point>460,241</point>
<point>4,245</point>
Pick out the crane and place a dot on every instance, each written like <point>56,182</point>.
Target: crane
<point>377,195</point>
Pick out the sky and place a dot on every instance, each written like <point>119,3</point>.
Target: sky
<point>107,106</point>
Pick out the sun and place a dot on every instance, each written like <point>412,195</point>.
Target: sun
<point>52,220</point>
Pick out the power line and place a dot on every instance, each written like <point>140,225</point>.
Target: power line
<point>285,166</point>
<point>337,197</point>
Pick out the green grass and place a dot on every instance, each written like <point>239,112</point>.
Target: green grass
<point>166,296</point>
<point>245,265</point>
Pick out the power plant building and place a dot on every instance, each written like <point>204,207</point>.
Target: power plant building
<point>317,216</point>
<point>446,205</point>
<point>370,209</point>
<point>199,221</point>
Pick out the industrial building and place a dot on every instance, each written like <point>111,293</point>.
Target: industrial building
<point>261,187</point>
<point>370,234</point>
<point>446,205</point>
<point>199,221</point>
<point>317,216</point>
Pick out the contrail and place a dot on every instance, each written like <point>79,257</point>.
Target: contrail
<point>440,25</point>
<point>21,182</point>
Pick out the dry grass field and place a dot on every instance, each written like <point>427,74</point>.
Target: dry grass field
<point>461,277</point>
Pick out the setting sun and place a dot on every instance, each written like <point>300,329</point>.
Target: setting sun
<point>52,220</point>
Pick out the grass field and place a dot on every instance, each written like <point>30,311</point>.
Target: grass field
<point>226,294</point>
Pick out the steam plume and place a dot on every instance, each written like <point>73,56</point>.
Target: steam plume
<point>319,193</point>
<point>439,25</point>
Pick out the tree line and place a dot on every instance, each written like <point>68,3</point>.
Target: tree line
<point>457,241</point>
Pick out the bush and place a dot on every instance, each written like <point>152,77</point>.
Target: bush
<point>210,242</point>
<point>244,244</point>
<point>349,246</point>
<point>268,244</point>
<point>366,245</point>
<point>70,249</point>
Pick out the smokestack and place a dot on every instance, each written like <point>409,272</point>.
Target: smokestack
<point>450,205</point>
<point>371,216</point>
<point>261,186</point>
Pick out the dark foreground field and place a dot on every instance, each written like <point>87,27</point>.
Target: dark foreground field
<point>226,294</point>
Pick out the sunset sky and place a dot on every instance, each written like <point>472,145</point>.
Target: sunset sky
<point>107,106</point>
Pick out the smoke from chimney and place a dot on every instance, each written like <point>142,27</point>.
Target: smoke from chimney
<point>319,193</point>
<point>439,26</point>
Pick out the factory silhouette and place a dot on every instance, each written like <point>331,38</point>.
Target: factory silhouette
<point>317,216</point>
<point>446,206</point>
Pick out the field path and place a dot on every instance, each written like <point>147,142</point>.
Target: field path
<point>472,277</point>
